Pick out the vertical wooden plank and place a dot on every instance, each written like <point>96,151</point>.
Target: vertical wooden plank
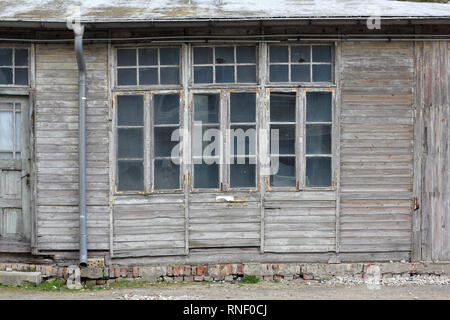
<point>418,153</point>
<point>426,174</point>
<point>337,139</point>
<point>262,108</point>
<point>186,142</point>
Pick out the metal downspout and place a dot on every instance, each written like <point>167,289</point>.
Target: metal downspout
<point>79,31</point>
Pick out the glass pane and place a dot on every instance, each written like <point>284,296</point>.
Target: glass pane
<point>206,107</point>
<point>148,76</point>
<point>279,54</point>
<point>167,175</point>
<point>286,135</point>
<point>243,139</point>
<point>322,73</point>
<point>21,57</point>
<point>163,143</point>
<point>6,75</point>
<point>242,175</point>
<point>242,107</point>
<point>279,73</point>
<point>210,143</point>
<point>318,139</point>
<point>6,105</point>
<point>170,75</point>
<point>203,55</point>
<point>131,143</point>
<point>246,54</point>
<point>282,107</point>
<point>169,56</point>
<point>148,57</point>
<point>21,76</point>
<point>6,131</point>
<point>206,176</point>
<point>126,77</point>
<point>246,74</point>
<point>224,74</point>
<point>300,54</point>
<point>318,171</point>
<point>166,109</point>
<point>318,107</point>
<point>224,55</point>
<point>6,57</point>
<point>126,57</point>
<point>131,175</point>
<point>203,74</point>
<point>18,131</point>
<point>321,53</point>
<point>300,73</point>
<point>130,110</point>
<point>6,155</point>
<point>285,176</point>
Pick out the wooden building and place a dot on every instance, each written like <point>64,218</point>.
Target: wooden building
<point>362,114</point>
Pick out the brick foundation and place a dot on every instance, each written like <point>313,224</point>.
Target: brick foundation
<point>232,272</point>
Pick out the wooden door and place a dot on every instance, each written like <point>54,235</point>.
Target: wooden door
<point>15,222</point>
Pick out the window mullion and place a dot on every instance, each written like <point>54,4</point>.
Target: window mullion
<point>301,139</point>
<point>148,146</point>
<point>224,144</point>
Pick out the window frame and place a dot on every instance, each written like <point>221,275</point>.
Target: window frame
<point>257,140</point>
<point>332,155</point>
<point>221,143</point>
<point>186,89</point>
<point>311,83</point>
<point>148,147</point>
<point>298,129</point>
<point>224,85</point>
<point>147,87</point>
<point>29,66</point>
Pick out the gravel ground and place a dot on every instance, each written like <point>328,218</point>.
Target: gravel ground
<point>341,288</point>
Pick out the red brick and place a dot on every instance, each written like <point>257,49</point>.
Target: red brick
<point>275,268</point>
<point>176,271</point>
<point>199,270</point>
<point>169,271</point>
<point>278,278</point>
<point>229,270</point>
<point>187,270</point>
<point>194,270</point>
<point>178,279</point>
<point>198,278</point>
<point>240,269</point>
<point>266,278</point>
<point>189,279</point>
<point>182,270</point>
<point>205,270</point>
<point>135,272</point>
<point>123,272</point>
<point>116,272</point>
<point>308,276</point>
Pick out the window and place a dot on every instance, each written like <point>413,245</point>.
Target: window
<point>130,142</point>
<point>242,119</point>
<point>10,130</point>
<point>13,66</point>
<point>300,63</point>
<point>166,158</point>
<point>283,119</point>
<point>229,119</point>
<point>224,64</point>
<point>319,120</point>
<point>148,66</point>
<point>206,141</point>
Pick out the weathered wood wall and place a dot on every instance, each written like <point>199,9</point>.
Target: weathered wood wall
<point>56,131</point>
<point>300,222</point>
<point>377,81</point>
<point>432,236</point>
